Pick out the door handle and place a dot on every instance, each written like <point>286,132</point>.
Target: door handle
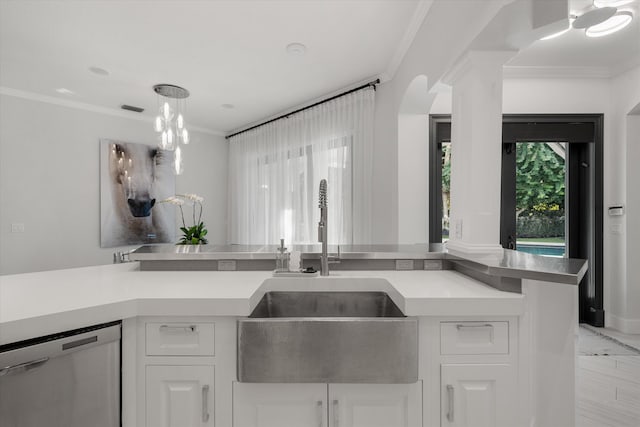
<point>460,326</point>
<point>178,329</point>
<point>205,403</point>
<point>450,402</point>
<point>336,415</point>
<point>23,367</point>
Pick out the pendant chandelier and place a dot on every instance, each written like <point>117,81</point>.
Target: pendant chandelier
<point>170,121</point>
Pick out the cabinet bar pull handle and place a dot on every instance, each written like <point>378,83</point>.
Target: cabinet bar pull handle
<point>205,403</point>
<point>336,415</point>
<point>168,328</point>
<point>461,326</point>
<point>450,405</point>
<point>319,405</point>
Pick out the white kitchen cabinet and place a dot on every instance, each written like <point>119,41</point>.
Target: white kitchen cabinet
<point>179,396</point>
<point>478,395</point>
<point>375,405</point>
<point>279,405</point>
<point>335,405</point>
<point>185,370</point>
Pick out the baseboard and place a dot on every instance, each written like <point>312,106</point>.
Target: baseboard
<point>626,326</point>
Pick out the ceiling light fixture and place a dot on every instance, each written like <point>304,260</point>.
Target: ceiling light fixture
<point>594,17</point>
<point>603,19</point>
<point>170,121</point>
<point>617,22</point>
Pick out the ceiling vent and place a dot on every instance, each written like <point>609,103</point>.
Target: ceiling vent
<point>132,108</point>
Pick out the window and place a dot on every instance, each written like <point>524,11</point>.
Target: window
<point>275,172</point>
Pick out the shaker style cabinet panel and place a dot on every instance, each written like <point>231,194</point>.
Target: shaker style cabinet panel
<point>179,396</point>
<point>478,395</point>
<point>375,405</point>
<point>279,405</point>
<point>322,405</point>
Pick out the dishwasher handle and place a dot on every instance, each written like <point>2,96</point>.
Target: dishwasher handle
<point>22,367</point>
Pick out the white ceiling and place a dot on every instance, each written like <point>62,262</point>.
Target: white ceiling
<point>223,52</point>
<point>233,51</point>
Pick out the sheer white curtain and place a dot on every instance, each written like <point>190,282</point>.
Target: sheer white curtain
<point>275,172</point>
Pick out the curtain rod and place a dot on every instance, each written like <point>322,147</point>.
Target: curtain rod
<point>372,83</point>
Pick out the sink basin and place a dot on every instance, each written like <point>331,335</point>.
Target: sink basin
<point>326,304</point>
<point>327,337</point>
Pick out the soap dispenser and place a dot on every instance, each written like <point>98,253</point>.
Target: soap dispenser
<point>282,258</point>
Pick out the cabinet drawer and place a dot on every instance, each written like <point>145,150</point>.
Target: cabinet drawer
<point>180,339</point>
<point>474,337</point>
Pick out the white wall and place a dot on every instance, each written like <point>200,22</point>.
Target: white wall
<point>624,293</point>
<point>431,57</point>
<point>628,319</point>
<point>615,98</point>
<point>49,181</point>
<point>413,178</point>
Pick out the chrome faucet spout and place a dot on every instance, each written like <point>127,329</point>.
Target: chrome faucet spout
<point>322,228</point>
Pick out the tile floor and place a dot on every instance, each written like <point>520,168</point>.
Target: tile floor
<point>608,386</point>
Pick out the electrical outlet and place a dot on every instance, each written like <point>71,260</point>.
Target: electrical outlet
<point>17,227</point>
<point>226,265</point>
<point>432,264</point>
<point>404,264</point>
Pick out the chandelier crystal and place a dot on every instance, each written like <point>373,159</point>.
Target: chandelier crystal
<point>169,122</point>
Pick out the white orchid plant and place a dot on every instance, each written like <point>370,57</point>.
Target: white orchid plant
<point>193,235</point>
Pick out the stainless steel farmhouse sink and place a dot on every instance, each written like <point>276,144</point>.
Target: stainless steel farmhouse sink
<point>327,337</point>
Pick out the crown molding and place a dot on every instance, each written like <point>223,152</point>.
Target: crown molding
<point>31,96</point>
<point>409,35</point>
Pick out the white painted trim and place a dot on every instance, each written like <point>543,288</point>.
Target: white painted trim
<point>31,96</point>
<point>542,72</point>
<point>624,325</point>
<point>407,40</point>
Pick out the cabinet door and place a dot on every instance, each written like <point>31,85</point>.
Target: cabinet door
<point>478,396</point>
<point>375,405</point>
<point>279,405</point>
<point>179,396</point>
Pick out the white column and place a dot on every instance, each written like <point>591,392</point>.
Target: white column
<point>476,153</point>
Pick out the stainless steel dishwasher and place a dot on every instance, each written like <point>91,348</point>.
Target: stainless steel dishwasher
<point>71,379</point>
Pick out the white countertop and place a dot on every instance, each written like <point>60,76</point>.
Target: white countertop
<point>36,304</point>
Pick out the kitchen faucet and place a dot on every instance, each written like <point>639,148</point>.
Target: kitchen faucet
<point>325,259</point>
<point>322,228</point>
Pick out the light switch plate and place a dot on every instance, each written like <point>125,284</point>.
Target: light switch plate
<point>226,265</point>
<point>404,264</point>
